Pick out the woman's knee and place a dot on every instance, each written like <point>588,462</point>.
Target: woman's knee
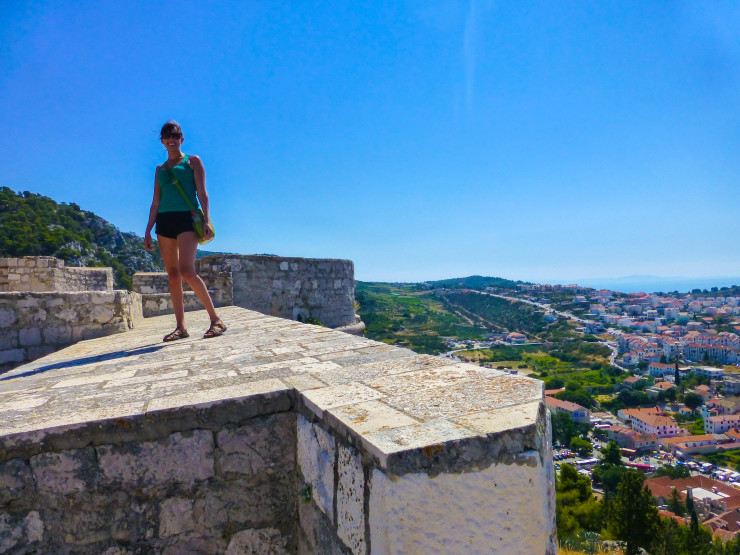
<point>188,273</point>
<point>173,272</point>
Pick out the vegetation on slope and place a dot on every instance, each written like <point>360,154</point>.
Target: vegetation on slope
<point>403,315</point>
<point>35,225</point>
<point>474,282</point>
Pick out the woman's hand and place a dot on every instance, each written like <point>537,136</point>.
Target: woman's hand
<point>148,241</point>
<point>208,230</point>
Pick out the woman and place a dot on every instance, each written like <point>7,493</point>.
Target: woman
<point>177,240</point>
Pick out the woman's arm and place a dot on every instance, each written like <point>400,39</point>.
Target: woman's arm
<point>152,214</point>
<point>199,174</point>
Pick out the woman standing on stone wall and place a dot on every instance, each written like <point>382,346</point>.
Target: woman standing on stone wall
<point>177,240</point>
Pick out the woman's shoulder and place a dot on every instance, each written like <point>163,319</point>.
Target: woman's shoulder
<point>194,161</point>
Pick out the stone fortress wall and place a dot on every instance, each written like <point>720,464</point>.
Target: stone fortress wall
<point>46,273</point>
<point>45,306</point>
<point>275,438</point>
<point>291,288</point>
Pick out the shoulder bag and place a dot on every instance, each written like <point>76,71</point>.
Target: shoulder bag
<point>196,213</point>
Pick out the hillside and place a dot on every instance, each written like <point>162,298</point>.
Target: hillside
<point>475,282</point>
<point>35,225</point>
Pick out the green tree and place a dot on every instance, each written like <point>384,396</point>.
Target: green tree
<point>563,428</point>
<point>611,454</point>
<point>608,471</point>
<point>698,538</point>
<point>693,401</point>
<point>581,446</point>
<point>676,504</point>
<point>634,518</point>
<point>575,506</point>
<point>675,472</point>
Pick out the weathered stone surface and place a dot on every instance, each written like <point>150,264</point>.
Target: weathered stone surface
<point>29,336</point>
<point>257,502</point>
<point>199,445</point>
<point>65,472</point>
<point>491,505</point>
<point>265,445</point>
<point>351,500</point>
<point>15,480</point>
<point>315,456</point>
<point>264,541</point>
<point>176,517</point>
<point>12,532</point>
<point>181,457</point>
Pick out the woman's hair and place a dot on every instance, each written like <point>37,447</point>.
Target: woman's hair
<point>170,127</point>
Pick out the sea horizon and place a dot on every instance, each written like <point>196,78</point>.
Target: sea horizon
<point>655,284</point>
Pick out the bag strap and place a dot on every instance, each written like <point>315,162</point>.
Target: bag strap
<point>179,187</point>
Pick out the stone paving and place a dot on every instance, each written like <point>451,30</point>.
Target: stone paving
<point>389,398</point>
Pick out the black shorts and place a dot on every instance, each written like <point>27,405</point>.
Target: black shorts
<point>172,224</point>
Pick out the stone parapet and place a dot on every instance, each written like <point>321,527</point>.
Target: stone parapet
<point>46,274</point>
<point>35,324</point>
<point>277,437</point>
<point>293,288</point>
<point>157,304</point>
<point>153,283</point>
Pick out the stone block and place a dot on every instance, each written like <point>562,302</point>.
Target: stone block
<point>12,355</point>
<point>315,456</point>
<point>12,532</point>
<point>16,481</point>
<point>29,336</point>
<point>69,315</point>
<point>182,457</point>
<point>101,314</point>
<point>351,499</point>
<point>8,340</point>
<point>32,353</point>
<point>238,504</point>
<point>65,472</point>
<point>268,541</point>
<point>7,317</point>
<point>266,444</point>
<point>175,517</point>
<point>86,518</point>
<point>57,335</point>
<point>39,315</point>
<point>28,302</point>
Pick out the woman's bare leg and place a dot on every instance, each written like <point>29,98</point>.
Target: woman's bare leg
<point>188,244</point>
<point>170,254</point>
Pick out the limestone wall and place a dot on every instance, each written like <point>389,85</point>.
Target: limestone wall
<point>292,288</point>
<point>46,273</point>
<point>35,324</point>
<point>492,495</point>
<point>167,485</point>
<point>276,437</point>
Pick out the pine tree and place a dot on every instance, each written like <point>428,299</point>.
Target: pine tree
<point>634,517</point>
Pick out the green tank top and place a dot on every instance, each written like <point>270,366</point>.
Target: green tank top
<point>171,200</point>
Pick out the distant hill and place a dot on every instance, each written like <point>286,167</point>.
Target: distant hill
<point>476,282</point>
<point>35,225</point>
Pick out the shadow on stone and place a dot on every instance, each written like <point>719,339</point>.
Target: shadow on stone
<point>85,360</point>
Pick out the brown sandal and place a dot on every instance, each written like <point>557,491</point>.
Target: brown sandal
<point>217,328</point>
<point>179,333</point>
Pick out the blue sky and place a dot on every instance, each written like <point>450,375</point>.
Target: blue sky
<point>543,141</point>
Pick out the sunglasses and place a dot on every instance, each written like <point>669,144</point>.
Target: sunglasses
<point>174,135</point>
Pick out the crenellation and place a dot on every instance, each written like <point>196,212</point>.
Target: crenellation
<point>49,274</point>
